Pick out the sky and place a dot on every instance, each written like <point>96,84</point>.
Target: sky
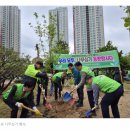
<point>113,28</point>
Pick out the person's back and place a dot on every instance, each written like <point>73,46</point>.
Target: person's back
<point>30,75</point>
<point>106,84</point>
<point>57,75</point>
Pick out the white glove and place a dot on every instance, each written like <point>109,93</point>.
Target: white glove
<point>19,104</point>
<point>76,86</point>
<point>34,108</point>
<point>37,112</point>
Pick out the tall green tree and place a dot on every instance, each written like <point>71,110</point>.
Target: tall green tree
<point>46,33</point>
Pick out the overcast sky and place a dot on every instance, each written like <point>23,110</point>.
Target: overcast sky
<point>113,28</point>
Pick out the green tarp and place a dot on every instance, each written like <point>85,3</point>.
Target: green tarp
<point>97,60</point>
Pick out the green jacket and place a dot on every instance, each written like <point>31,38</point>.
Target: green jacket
<point>59,75</point>
<point>106,84</point>
<point>18,93</point>
<point>31,71</point>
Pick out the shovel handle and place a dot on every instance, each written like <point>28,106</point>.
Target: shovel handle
<point>28,108</point>
<point>73,90</point>
<point>93,108</point>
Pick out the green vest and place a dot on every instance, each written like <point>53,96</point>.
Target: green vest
<point>57,75</point>
<point>18,93</point>
<point>89,72</point>
<point>31,71</point>
<point>106,84</point>
<point>128,72</point>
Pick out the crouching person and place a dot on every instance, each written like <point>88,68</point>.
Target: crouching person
<point>58,79</point>
<point>17,96</point>
<point>113,91</point>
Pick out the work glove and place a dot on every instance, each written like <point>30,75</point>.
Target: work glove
<point>37,112</point>
<point>76,86</point>
<point>19,104</point>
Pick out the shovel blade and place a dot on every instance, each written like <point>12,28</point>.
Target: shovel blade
<point>67,97</point>
<point>88,113</point>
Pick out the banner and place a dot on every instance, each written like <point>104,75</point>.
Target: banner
<point>97,60</point>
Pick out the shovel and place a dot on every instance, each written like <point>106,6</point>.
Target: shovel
<point>47,105</point>
<point>23,106</point>
<point>89,113</point>
<point>67,96</point>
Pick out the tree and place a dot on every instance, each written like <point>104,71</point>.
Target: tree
<point>11,66</point>
<point>126,61</point>
<point>61,47</point>
<point>40,29</point>
<point>44,31</point>
<point>127,18</point>
<point>109,46</point>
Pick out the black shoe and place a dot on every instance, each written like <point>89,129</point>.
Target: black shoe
<point>77,101</point>
<point>79,105</point>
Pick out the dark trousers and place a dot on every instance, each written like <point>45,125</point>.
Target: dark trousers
<point>80,93</point>
<point>90,98</point>
<point>14,108</point>
<point>58,89</point>
<point>51,88</point>
<point>111,99</point>
<point>39,94</point>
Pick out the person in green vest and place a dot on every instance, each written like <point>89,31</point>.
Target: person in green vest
<point>113,92</point>
<point>17,96</point>
<point>33,73</point>
<point>84,70</point>
<point>58,79</point>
